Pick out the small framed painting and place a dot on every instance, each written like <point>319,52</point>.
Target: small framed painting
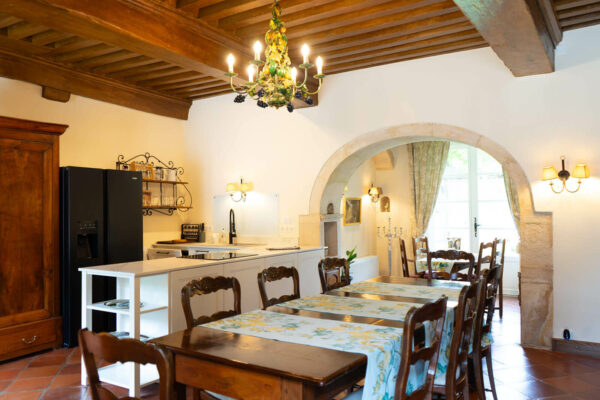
<point>352,211</point>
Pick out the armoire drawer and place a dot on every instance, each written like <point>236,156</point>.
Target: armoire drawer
<point>22,337</point>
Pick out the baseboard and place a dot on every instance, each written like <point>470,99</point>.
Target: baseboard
<point>591,349</point>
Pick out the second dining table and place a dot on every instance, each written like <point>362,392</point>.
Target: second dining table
<point>312,347</point>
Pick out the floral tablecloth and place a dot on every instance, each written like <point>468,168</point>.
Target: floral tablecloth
<point>402,290</point>
<point>381,345</point>
<point>437,264</point>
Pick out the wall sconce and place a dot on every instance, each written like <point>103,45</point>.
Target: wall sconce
<point>580,172</point>
<point>238,191</point>
<point>375,193</point>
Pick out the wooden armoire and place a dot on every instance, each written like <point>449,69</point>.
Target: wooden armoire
<point>29,237</point>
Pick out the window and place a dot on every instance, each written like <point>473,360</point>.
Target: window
<point>472,192</point>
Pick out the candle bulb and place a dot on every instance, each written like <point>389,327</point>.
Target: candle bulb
<point>319,65</point>
<point>230,61</point>
<point>250,73</point>
<point>305,51</point>
<point>257,49</point>
<point>294,74</point>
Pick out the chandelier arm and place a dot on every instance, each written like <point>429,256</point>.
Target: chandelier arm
<point>573,191</point>
<point>318,89</point>
<point>305,76</point>
<point>234,89</point>
<point>559,191</point>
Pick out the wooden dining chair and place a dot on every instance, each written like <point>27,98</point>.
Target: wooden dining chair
<point>274,274</point>
<point>206,286</point>
<point>456,384</point>
<point>334,273</point>
<point>411,355</point>
<point>454,274</point>
<point>404,259</point>
<point>420,249</point>
<point>482,334</point>
<point>486,259</point>
<point>500,250</point>
<point>106,347</point>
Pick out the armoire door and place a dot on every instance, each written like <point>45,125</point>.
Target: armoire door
<point>27,237</point>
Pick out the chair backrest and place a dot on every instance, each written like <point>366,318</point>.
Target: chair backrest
<point>334,273</point>
<point>500,250</point>
<point>103,346</point>
<point>489,258</point>
<point>420,247</point>
<point>466,315</point>
<point>206,286</point>
<point>454,255</point>
<point>435,314</point>
<point>274,274</point>
<point>403,258</point>
<point>486,306</point>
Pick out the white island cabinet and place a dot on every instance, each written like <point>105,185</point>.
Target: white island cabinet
<point>153,287</point>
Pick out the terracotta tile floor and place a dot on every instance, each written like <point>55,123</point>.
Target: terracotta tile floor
<point>520,374</point>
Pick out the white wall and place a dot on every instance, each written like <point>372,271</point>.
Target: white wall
<point>536,118</point>
<point>98,132</point>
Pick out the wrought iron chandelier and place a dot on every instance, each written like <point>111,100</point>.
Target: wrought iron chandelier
<point>275,84</point>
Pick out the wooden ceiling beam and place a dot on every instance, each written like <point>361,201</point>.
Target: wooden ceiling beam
<point>153,66</point>
<point>576,11</point>
<point>141,26</point>
<point>85,53</point>
<point>174,86</point>
<point>105,59</point>
<point>17,66</point>
<point>566,4</point>
<point>179,77</point>
<point>427,52</point>
<point>23,29</point>
<point>206,96</point>
<point>169,70</point>
<point>374,25</point>
<point>373,54</point>
<point>580,19</point>
<point>8,20</point>
<point>49,36</point>
<point>516,31</point>
<point>399,40</point>
<point>551,19</point>
<point>182,92</point>
<point>219,88</point>
<point>123,65</point>
<point>581,25</point>
<point>392,32</point>
<point>230,7</point>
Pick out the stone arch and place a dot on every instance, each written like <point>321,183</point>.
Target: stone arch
<point>535,227</point>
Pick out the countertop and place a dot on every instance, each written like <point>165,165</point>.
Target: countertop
<point>165,265</point>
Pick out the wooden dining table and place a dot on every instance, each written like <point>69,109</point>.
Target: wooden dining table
<point>245,366</point>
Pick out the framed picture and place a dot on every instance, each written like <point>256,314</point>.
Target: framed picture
<point>352,211</point>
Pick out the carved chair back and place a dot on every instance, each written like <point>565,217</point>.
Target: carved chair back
<point>334,273</point>
<point>488,258</point>
<point>435,314</point>
<point>500,251</point>
<point>454,274</point>
<point>274,274</point>
<point>486,307</point>
<point>457,384</point>
<point>103,346</point>
<point>206,286</point>
<point>403,258</point>
<point>420,247</point>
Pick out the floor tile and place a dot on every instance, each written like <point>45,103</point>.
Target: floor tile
<point>537,389</point>
<point>33,395</point>
<point>66,380</point>
<point>48,360</point>
<point>34,372</point>
<point>9,374</point>
<point>68,393</point>
<point>572,384</point>
<point>17,364</point>
<point>70,369</point>
<point>21,385</point>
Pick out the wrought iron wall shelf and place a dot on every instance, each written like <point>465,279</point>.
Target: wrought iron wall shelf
<point>165,177</point>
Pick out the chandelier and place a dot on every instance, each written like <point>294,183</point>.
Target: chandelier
<point>275,84</point>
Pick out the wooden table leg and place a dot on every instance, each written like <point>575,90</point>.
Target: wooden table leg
<point>180,391</point>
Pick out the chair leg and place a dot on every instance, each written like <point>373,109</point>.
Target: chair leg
<point>501,299</point>
<point>490,371</point>
<point>477,370</point>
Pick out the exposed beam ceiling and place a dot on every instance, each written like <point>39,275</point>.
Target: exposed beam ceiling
<point>516,30</point>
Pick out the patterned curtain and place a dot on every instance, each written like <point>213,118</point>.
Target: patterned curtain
<point>513,199</point>
<point>427,161</point>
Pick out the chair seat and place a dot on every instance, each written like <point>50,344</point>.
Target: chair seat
<point>486,341</point>
<point>355,395</point>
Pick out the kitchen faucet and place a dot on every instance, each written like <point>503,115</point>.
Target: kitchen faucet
<point>232,233</point>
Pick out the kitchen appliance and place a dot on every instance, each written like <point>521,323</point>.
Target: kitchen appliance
<point>193,232</point>
<point>217,255</point>
<point>101,223</point>
<point>157,252</point>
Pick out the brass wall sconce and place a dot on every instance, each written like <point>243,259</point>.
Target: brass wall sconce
<point>375,193</point>
<point>580,172</point>
<point>238,191</point>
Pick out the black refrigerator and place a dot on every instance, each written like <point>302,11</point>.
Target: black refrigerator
<point>101,223</point>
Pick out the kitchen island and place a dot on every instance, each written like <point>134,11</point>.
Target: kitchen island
<point>154,289</point>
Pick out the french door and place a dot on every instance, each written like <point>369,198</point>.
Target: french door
<point>472,202</point>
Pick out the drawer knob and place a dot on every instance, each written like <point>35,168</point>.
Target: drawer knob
<point>29,341</point>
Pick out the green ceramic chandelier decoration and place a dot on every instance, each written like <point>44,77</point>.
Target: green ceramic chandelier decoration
<point>275,84</point>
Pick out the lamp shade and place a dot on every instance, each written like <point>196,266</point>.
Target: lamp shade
<point>549,173</point>
<point>581,171</point>
<point>375,191</point>
<point>246,187</point>
<point>233,187</point>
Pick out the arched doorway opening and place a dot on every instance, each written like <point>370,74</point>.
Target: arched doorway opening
<point>536,261</point>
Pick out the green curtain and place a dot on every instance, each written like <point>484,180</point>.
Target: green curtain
<point>428,161</point>
<point>513,199</point>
